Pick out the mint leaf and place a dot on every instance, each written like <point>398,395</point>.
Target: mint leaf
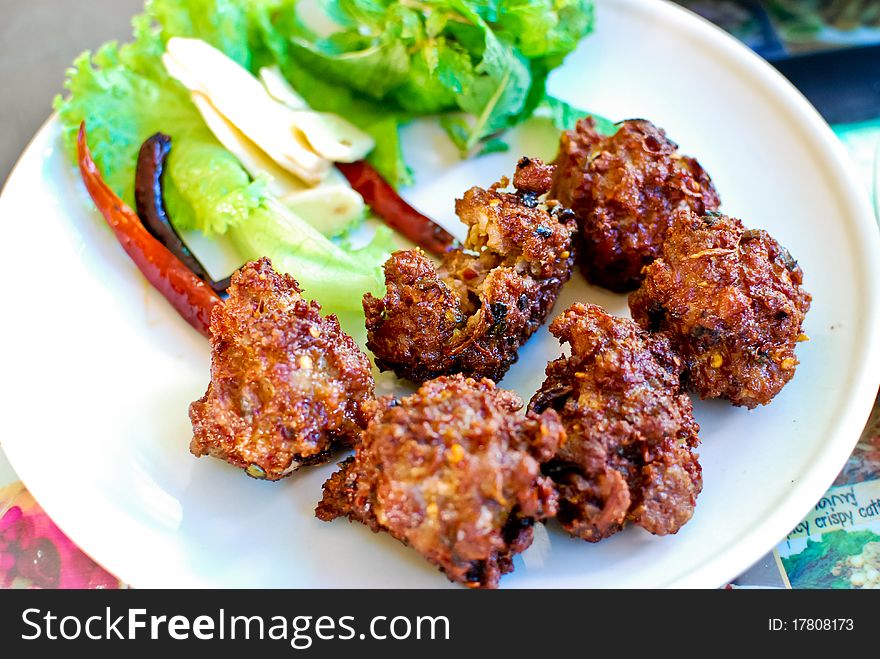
<point>435,78</point>
<point>497,90</point>
<point>541,28</point>
<point>373,71</point>
<point>564,115</point>
<point>494,146</point>
<point>458,130</point>
<point>229,25</point>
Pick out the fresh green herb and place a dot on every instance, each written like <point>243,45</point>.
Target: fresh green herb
<point>326,270</point>
<point>494,146</point>
<point>481,66</point>
<point>395,60</point>
<point>124,95</point>
<point>564,116</point>
<point>232,26</point>
<point>379,63</point>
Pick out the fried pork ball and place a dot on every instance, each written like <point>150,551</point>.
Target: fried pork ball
<point>730,301</point>
<point>486,299</point>
<point>287,386</point>
<point>454,472</point>
<point>624,190</point>
<point>629,454</point>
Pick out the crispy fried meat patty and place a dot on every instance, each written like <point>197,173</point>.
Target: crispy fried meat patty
<point>287,386</point>
<point>731,302</point>
<point>454,472</point>
<point>486,299</point>
<point>629,453</point>
<point>624,190</point>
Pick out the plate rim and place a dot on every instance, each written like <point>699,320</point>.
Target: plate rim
<point>763,535</point>
<point>867,237</point>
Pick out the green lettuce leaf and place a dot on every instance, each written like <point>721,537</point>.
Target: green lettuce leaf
<point>206,188</point>
<point>326,271</point>
<point>224,24</point>
<point>564,115</point>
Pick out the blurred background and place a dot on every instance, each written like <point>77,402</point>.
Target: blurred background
<point>830,50</point>
<point>38,41</point>
<point>780,28</point>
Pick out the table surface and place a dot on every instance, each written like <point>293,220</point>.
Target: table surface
<point>38,41</point>
<point>32,76</point>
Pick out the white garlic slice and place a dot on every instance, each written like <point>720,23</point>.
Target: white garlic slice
<point>330,135</point>
<point>246,104</point>
<point>281,90</point>
<point>252,158</point>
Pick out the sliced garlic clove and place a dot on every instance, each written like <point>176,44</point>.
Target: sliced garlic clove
<point>245,103</point>
<point>252,158</point>
<point>331,207</point>
<point>179,72</point>
<point>330,135</point>
<point>335,177</point>
<point>333,137</point>
<point>281,90</point>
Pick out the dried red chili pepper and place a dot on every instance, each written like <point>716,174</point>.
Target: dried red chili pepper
<point>190,296</point>
<point>150,206</point>
<point>391,207</point>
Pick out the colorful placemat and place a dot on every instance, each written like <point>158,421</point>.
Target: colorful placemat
<point>34,553</point>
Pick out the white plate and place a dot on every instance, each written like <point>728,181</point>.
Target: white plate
<point>98,372</point>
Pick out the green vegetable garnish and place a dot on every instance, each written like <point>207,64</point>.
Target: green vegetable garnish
<point>384,62</point>
<point>564,116</point>
<point>125,96</point>
<point>480,66</point>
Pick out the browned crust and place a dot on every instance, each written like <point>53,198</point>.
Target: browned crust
<point>624,190</point>
<point>454,472</point>
<point>472,314</point>
<point>287,385</point>
<point>731,302</point>
<point>629,454</point>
